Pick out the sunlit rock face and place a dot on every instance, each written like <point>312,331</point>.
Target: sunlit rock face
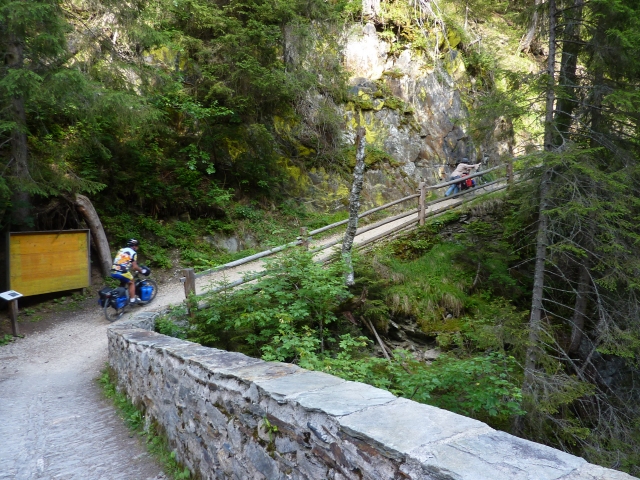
<point>415,119</point>
<point>429,132</point>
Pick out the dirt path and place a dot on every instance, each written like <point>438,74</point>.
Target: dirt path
<point>54,423</point>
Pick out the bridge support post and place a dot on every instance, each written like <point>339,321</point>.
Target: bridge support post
<point>189,287</point>
<point>304,236</point>
<point>423,193</point>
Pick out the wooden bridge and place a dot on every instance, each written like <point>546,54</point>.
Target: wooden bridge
<point>366,235</point>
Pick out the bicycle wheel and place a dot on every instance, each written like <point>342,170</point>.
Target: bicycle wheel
<point>112,313</point>
<point>153,284</point>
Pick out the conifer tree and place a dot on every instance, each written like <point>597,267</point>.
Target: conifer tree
<point>586,262</point>
<point>32,37</point>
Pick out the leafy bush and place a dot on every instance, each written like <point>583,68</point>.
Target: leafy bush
<point>483,386</point>
<point>298,295</point>
<point>6,339</point>
<point>166,326</point>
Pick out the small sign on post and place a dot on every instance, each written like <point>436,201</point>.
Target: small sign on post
<point>12,297</point>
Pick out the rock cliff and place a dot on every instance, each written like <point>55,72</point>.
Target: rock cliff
<point>414,114</point>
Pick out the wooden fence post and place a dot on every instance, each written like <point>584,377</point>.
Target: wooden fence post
<point>189,287</point>
<point>13,314</point>
<point>423,193</point>
<point>304,236</point>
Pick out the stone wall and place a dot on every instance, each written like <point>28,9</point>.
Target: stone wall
<point>231,416</point>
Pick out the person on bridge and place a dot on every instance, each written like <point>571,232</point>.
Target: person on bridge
<point>125,261</point>
<point>464,168</point>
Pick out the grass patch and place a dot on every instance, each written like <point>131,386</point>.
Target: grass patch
<point>155,442</point>
<point>432,287</point>
<point>6,339</point>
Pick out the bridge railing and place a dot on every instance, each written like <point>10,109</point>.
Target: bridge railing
<point>305,237</point>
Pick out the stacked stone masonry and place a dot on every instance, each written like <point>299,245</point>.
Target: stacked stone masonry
<point>230,416</point>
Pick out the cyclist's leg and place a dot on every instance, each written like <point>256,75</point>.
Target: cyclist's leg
<point>452,188</point>
<point>126,280</point>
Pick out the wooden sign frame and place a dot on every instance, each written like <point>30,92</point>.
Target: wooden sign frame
<point>44,265</point>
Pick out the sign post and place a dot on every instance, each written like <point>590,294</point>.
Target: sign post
<point>12,297</point>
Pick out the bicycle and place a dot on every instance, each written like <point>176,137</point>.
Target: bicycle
<point>115,301</point>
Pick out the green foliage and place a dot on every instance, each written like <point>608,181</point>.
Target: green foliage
<point>269,428</point>
<point>432,287</point>
<point>374,157</point>
<point>291,316</point>
<point>6,339</point>
<point>595,193</point>
<point>481,64</point>
<point>481,387</point>
<point>34,42</point>
<point>298,295</point>
<point>155,119</point>
<point>134,418</point>
<point>194,242</point>
<point>484,387</point>
<point>166,326</point>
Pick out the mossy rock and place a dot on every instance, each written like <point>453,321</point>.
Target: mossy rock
<point>454,38</point>
<point>394,73</point>
<point>373,157</point>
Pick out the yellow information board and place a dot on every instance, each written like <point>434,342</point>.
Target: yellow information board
<point>44,262</point>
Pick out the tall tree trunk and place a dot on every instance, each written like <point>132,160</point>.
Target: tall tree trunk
<point>579,310</point>
<point>85,207</point>
<point>21,199</point>
<point>525,43</point>
<point>568,78</point>
<point>535,318</point>
<point>551,69</point>
<point>598,91</point>
<point>354,205</point>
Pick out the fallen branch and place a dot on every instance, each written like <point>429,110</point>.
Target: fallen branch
<point>375,333</point>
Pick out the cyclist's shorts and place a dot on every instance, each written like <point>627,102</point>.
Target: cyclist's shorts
<point>123,277</point>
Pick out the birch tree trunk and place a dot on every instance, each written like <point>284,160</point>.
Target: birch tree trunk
<point>354,205</point>
<point>85,207</point>
<point>525,43</point>
<point>20,198</point>
<point>535,318</point>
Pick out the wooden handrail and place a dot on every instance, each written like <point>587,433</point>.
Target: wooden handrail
<point>248,259</point>
<point>363,214</point>
<point>396,230</point>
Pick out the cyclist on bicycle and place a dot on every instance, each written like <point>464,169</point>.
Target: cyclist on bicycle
<point>464,168</point>
<point>125,261</point>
